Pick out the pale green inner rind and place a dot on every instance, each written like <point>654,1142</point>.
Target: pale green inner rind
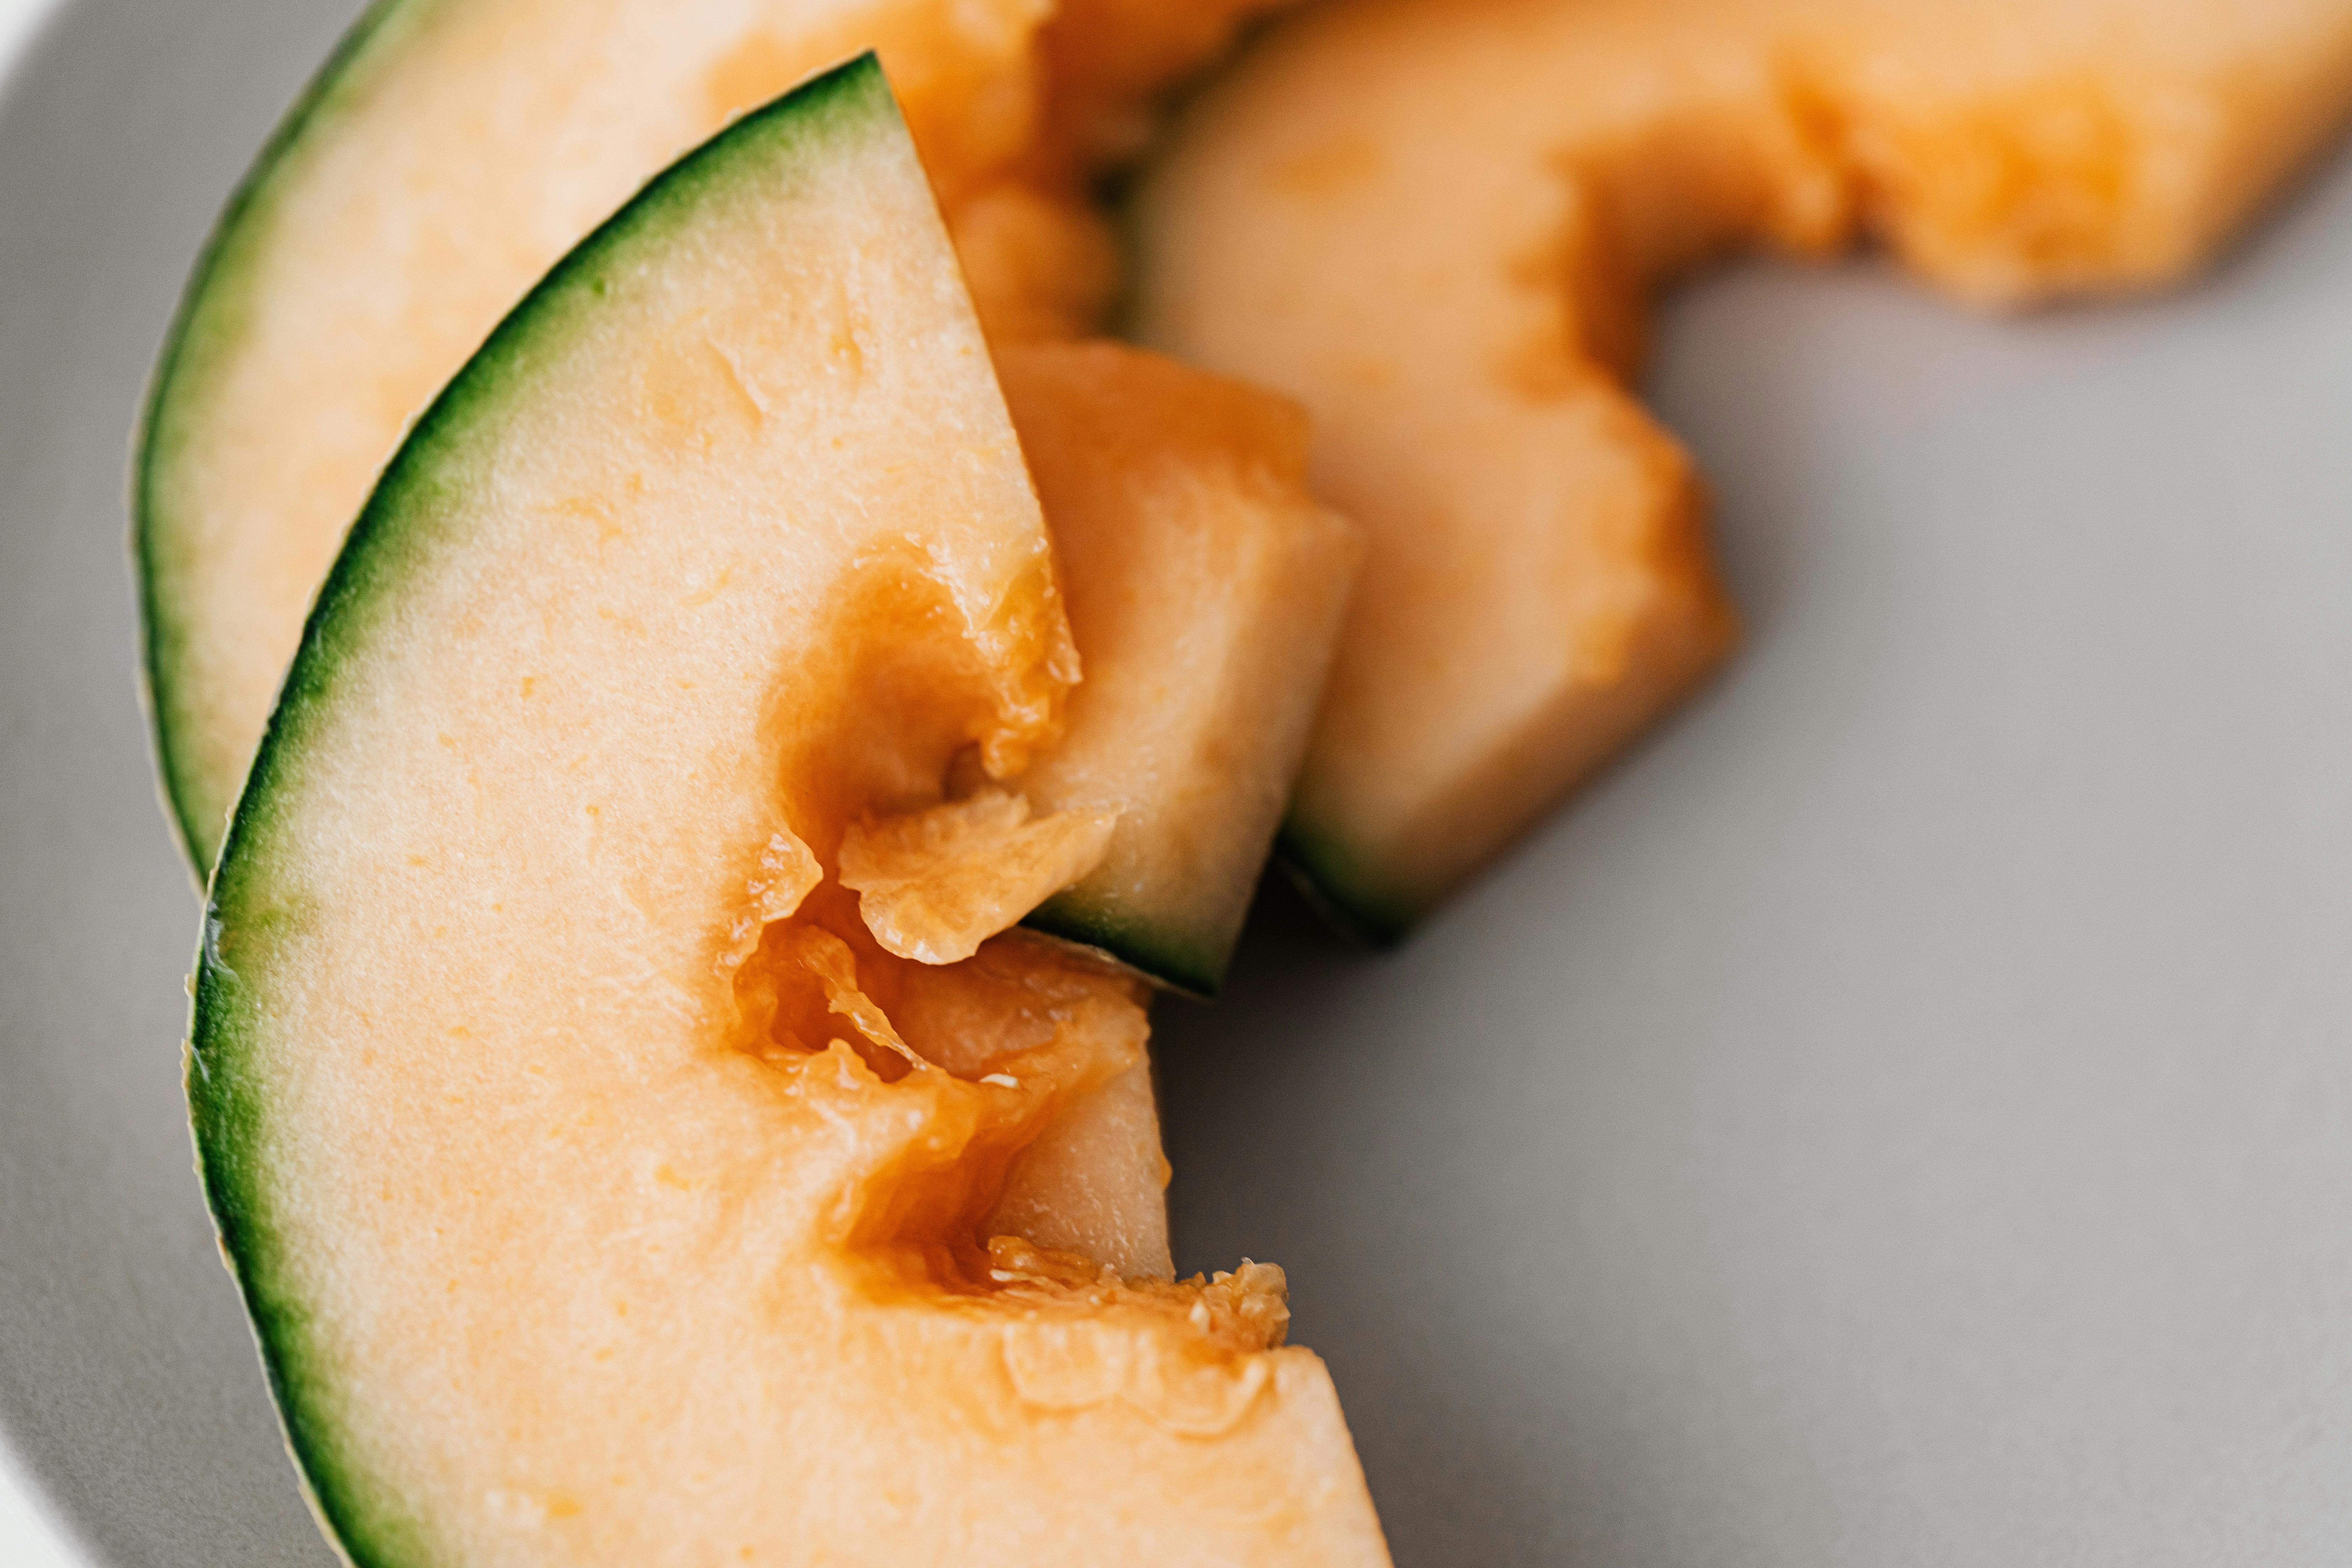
<point>206,331</point>
<point>394,539</point>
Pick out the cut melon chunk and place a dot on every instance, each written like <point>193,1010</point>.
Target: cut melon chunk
<point>1437,225</point>
<point>601,1192</point>
<point>1207,589</point>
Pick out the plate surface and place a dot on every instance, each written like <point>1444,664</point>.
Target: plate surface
<point>1904,1115</point>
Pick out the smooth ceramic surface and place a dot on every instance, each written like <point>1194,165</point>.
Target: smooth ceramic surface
<point>30,1535</point>
<point>1899,1118</point>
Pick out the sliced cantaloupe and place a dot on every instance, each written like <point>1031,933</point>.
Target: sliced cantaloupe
<point>1205,590</point>
<point>372,247</point>
<point>1437,224</point>
<point>603,1192</point>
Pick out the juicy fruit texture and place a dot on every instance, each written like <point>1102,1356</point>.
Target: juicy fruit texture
<point>373,247</point>
<point>1205,589</point>
<point>601,1190</point>
<point>1437,225</point>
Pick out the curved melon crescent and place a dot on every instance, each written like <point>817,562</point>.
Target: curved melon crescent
<point>1436,224</point>
<point>600,1191</point>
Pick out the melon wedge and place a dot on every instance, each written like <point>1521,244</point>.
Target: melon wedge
<point>601,1191</point>
<point>1437,227</point>
<point>1207,589</point>
<point>373,247</point>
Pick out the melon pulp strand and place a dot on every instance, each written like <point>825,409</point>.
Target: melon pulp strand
<point>601,1190</point>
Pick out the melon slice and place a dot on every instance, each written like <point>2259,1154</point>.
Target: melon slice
<point>1207,589</point>
<point>1437,225</point>
<point>601,1191</point>
<point>373,247</point>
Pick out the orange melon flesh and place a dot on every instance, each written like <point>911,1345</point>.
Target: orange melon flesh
<point>1437,227</point>
<point>1107,62</point>
<point>601,1192</point>
<point>1205,588</point>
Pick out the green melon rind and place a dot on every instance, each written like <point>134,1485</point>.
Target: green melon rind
<point>1343,888</point>
<point>391,541</point>
<point>205,327</point>
<point>1179,957</point>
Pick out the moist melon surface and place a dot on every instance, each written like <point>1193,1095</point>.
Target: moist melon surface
<point>602,1189</point>
<point>1437,224</point>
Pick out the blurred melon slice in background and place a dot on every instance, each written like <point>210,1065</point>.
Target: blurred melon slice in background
<point>1438,226</point>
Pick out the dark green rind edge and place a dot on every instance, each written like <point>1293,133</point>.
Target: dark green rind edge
<point>389,541</point>
<point>1191,963</point>
<point>1342,888</point>
<point>209,292</point>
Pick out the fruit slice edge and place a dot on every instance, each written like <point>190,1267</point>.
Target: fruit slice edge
<point>198,790</point>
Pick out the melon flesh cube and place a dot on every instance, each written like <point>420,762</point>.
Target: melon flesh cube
<point>1093,1180</point>
<point>1205,588</point>
<point>602,1192</point>
<point>1438,226</point>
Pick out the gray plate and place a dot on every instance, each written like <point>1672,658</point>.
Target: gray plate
<point>1899,1118</point>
